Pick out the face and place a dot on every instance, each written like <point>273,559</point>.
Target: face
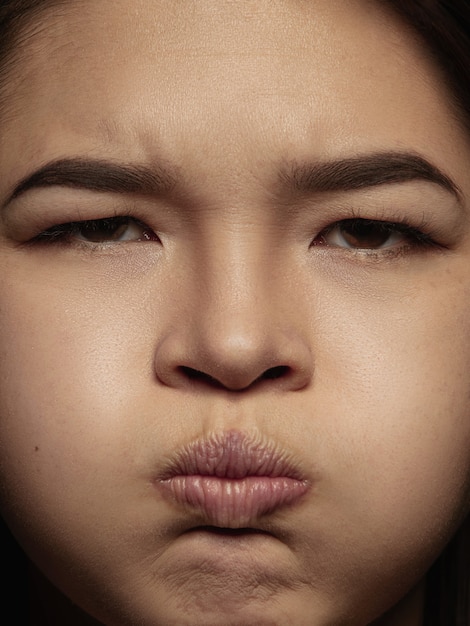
<point>234,311</point>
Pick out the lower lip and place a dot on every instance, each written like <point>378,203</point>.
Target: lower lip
<point>234,503</point>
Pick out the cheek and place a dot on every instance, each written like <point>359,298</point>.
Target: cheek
<point>75,443</point>
<point>71,370</point>
<point>389,429</point>
<point>396,436</point>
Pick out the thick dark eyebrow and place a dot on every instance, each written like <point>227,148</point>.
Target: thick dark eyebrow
<point>359,172</point>
<point>98,175</point>
<point>347,174</point>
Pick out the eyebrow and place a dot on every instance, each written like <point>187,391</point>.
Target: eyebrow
<point>352,173</point>
<point>363,171</point>
<point>98,175</point>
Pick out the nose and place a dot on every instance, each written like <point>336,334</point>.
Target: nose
<point>233,357</point>
<point>235,338</point>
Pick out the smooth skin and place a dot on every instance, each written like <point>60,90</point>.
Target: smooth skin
<point>116,351</point>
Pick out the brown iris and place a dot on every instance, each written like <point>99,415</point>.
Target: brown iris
<point>367,234</point>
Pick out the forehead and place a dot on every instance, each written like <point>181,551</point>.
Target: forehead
<point>330,77</point>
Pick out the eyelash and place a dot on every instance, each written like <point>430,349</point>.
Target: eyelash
<point>414,238</point>
<point>69,232</point>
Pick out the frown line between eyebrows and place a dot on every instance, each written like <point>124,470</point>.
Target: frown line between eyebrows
<point>97,175</point>
<point>363,171</point>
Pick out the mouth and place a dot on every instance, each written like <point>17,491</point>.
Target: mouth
<point>227,532</point>
<point>231,481</point>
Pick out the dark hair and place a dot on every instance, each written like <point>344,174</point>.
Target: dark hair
<point>444,28</point>
<point>20,21</point>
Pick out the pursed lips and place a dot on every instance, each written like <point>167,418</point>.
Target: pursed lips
<point>232,480</point>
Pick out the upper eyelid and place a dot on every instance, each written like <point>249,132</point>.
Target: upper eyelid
<point>64,229</point>
<point>407,224</point>
<point>421,238</point>
<point>391,224</point>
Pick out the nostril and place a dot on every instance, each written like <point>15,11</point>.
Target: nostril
<point>198,376</point>
<point>275,372</point>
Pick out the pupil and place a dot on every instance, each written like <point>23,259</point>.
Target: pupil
<point>365,234</point>
<point>100,230</point>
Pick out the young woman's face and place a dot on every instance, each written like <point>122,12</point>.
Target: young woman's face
<point>243,398</point>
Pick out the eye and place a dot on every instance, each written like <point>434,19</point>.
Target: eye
<point>107,230</point>
<point>364,234</point>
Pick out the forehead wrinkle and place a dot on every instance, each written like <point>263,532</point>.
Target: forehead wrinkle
<point>36,43</point>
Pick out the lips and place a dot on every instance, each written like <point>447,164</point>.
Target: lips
<point>231,480</point>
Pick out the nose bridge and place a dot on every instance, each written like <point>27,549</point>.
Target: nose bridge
<point>235,314</point>
<point>238,332</point>
<point>235,280</point>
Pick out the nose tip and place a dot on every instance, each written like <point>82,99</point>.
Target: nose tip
<point>234,361</point>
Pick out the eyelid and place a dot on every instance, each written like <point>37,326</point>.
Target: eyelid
<point>68,233</point>
<point>412,236</point>
<point>44,208</point>
<point>421,206</point>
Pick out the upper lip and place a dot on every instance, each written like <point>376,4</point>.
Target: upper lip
<point>232,454</point>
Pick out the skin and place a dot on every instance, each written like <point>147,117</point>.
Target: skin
<point>372,401</point>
